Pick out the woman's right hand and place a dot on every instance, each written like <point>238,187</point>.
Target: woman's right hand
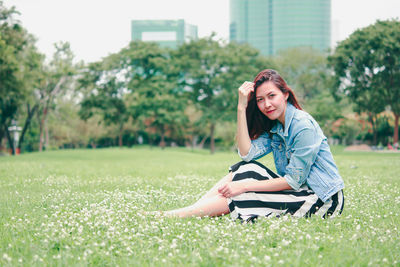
<point>244,91</point>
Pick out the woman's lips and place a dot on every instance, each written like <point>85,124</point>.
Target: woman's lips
<point>269,112</point>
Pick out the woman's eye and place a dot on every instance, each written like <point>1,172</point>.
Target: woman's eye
<point>259,100</point>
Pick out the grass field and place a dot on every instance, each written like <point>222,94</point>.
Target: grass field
<point>82,207</point>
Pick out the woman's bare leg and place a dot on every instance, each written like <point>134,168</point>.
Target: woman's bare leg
<point>211,206</point>
<point>214,190</point>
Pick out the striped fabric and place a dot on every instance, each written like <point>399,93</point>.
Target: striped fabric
<point>299,203</point>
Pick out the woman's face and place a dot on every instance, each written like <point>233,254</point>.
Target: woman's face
<point>271,101</point>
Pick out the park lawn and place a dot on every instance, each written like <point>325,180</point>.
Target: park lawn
<point>83,207</point>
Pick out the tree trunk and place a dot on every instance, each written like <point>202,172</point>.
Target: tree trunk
<point>41,129</point>
<point>193,141</point>
<point>201,144</point>
<point>40,137</point>
<point>212,142</point>
<point>10,141</point>
<point>162,142</point>
<point>120,140</point>
<point>2,146</point>
<point>46,135</point>
<point>396,129</point>
<point>1,138</point>
<point>121,128</point>
<point>42,121</point>
<point>93,144</point>
<point>31,113</point>
<point>374,131</point>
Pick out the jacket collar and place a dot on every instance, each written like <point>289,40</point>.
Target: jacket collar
<point>289,113</point>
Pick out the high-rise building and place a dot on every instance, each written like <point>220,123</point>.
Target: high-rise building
<point>168,33</point>
<point>272,25</point>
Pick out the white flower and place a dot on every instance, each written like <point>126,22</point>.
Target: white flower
<point>6,257</point>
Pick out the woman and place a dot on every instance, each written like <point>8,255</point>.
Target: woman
<point>269,119</point>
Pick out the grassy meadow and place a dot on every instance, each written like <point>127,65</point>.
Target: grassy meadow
<point>84,207</point>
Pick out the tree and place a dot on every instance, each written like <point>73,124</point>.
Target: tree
<point>73,132</point>
<point>211,72</point>
<point>367,70</point>
<point>155,97</point>
<point>160,103</point>
<point>305,70</point>
<point>33,78</point>
<point>58,76</point>
<point>19,59</point>
<point>125,84</point>
<point>104,94</point>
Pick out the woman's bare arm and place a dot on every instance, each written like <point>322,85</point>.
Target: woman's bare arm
<point>243,138</point>
<point>238,187</point>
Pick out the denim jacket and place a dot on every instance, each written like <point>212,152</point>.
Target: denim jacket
<point>301,153</point>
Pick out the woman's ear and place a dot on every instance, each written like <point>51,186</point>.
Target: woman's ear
<point>286,95</point>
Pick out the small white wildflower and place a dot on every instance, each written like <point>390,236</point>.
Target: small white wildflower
<point>6,257</point>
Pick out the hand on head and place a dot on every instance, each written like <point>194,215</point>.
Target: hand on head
<point>244,92</point>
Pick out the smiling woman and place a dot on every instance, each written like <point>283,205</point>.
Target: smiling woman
<point>269,119</point>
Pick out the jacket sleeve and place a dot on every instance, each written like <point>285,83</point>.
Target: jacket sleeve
<point>304,150</point>
<point>259,148</point>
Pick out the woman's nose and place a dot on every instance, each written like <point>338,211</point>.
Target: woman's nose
<point>267,104</point>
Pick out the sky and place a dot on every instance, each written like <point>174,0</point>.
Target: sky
<point>96,28</point>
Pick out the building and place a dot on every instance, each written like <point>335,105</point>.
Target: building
<point>272,25</point>
<point>168,33</point>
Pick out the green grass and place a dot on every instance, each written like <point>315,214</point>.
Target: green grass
<point>82,207</point>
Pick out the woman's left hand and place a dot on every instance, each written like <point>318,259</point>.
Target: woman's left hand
<point>232,189</point>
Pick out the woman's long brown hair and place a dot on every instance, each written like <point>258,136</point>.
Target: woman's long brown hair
<point>257,122</point>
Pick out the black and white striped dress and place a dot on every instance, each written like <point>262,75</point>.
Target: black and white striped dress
<point>299,203</point>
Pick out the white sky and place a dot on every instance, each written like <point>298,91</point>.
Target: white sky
<point>96,28</point>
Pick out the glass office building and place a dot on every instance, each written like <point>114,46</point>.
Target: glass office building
<point>168,33</point>
<point>272,25</point>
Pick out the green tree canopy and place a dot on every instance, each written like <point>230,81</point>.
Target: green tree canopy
<point>367,70</point>
<point>19,60</point>
<point>211,72</point>
<point>137,82</point>
<point>104,93</point>
<point>58,76</point>
<point>305,71</point>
